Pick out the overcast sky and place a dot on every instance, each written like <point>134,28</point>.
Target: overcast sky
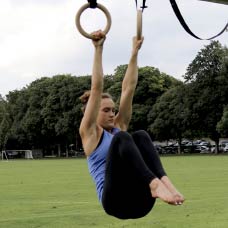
<point>39,38</point>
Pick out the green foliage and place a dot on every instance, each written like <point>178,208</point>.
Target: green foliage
<point>194,109</point>
<point>151,85</point>
<point>222,126</point>
<point>139,117</point>
<point>168,115</point>
<point>207,75</point>
<point>116,82</point>
<point>47,112</point>
<point>4,123</point>
<point>207,64</point>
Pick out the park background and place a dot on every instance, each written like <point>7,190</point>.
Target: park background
<point>45,115</point>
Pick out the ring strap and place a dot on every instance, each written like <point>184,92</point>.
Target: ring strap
<point>93,3</point>
<point>185,26</point>
<point>143,5</point>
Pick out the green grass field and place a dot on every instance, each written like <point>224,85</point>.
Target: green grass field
<point>61,194</point>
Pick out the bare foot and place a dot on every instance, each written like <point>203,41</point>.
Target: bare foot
<point>178,196</point>
<point>159,190</point>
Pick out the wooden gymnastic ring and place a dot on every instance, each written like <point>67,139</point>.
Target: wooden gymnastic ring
<point>139,24</point>
<point>82,9</point>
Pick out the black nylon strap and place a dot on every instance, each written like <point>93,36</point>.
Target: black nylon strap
<point>185,26</point>
<point>143,5</point>
<point>93,3</point>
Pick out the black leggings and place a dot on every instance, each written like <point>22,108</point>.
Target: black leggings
<point>132,163</point>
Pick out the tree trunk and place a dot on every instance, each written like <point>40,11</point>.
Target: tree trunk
<point>67,152</point>
<point>179,146</point>
<point>216,146</point>
<point>59,150</point>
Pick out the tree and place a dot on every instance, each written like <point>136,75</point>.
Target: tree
<point>222,126</point>
<point>207,75</point>
<point>4,123</point>
<point>168,115</point>
<point>207,64</point>
<point>17,107</point>
<point>47,112</point>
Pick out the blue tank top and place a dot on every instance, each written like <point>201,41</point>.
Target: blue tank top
<point>97,160</point>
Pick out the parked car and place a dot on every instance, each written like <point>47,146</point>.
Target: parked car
<point>204,143</point>
<point>205,149</point>
<point>159,149</point>
<point>189,144</point>
<point>226,148</point>
<point>221,149</point>
<point>197,142</point>
<point>191,149</point>
<point>171,149</point>
<point>223,143</point>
